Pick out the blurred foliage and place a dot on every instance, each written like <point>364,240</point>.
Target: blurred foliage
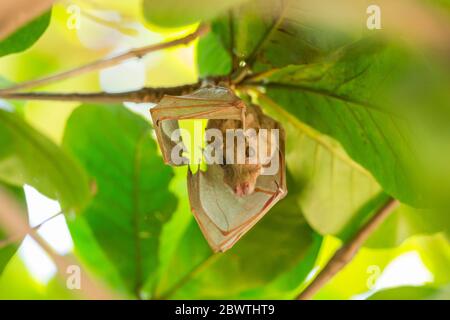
<point>130,180</point>
<point>335,191</point>
<point>406,221</point>
<point>359,277</point>
<point>26,154</point>
<point>8,251</point>
<point>175,13</point>
<point>12,105</point>
<point>19,284</point>
<point>366,116</point>
<point>25,36</point>
<point>412,293</point>
<point>341,104</point>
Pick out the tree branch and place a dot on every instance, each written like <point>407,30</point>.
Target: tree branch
<point>104,63</point>
<point>143,95</point>
<point>346,253</point>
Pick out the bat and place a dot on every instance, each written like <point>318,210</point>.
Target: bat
<point>229,198</point>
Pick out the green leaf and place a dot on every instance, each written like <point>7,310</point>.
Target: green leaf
<point>271,261</point>
<point>173,231</point>
<point>212,58</point>
<point>340,97</point>
<point>26,36</point>
<point>27,157</point>
<point>412,293</point>
<point>7,252</point>
<point>272,34</point>
<point>133,201</point>
<point>177,13</point>
<point>337,194</point>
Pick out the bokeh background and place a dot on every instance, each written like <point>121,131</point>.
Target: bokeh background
<point>404,256</point>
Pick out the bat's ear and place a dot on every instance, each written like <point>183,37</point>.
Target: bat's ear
<point>210,102</point>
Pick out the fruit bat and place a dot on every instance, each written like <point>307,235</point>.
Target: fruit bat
<point>230,197</point>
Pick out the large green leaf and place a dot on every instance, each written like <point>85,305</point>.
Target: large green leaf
<point>174,230</point>
<point>271,261</point>
<point>357,94</point>
<point>8,251</point>
<point>176,13</point>
<point>336,193</point>
<point>212,58</point>
<point>133,201</point>
<point>26,36</point>
<point>343,97</point>
<point>266,34</point>
<point>27,157</point>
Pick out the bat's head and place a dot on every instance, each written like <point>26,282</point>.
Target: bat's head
<point>241,178</point>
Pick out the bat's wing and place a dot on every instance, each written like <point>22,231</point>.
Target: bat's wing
<point>222,216</point>
<point>205,103</point>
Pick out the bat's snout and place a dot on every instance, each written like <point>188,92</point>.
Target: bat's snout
<point>242,189</point>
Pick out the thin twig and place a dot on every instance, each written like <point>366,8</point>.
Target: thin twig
<point>104,63</point>
<point>142,95</point>
<point>12,219</point>
<point>346,253</point>
<point>17,237</point>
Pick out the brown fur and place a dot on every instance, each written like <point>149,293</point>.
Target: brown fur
<point>242,177</point>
